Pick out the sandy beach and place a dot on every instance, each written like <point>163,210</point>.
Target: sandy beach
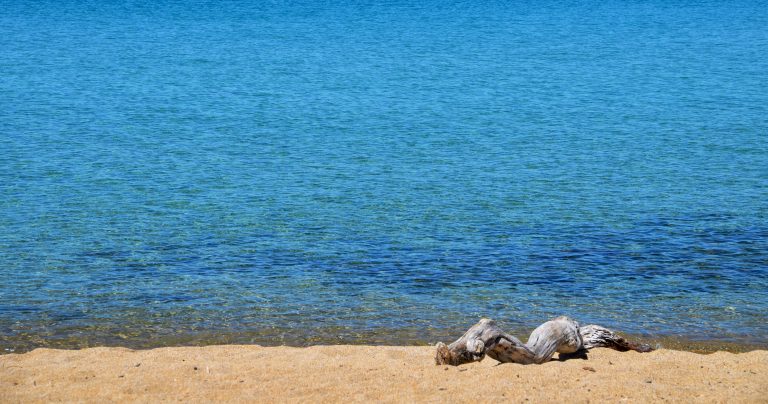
<point>365,373</point>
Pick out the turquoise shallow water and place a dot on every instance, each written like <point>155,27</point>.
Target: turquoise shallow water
<point>182,172</point>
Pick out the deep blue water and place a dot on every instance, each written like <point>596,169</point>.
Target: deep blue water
<point>321,172</point>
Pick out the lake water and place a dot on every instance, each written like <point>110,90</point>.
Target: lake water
<point>321,172</point>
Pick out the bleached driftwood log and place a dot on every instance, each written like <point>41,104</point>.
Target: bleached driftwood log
<point>562,335</point>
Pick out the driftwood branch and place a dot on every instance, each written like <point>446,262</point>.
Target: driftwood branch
<point>562,335</point>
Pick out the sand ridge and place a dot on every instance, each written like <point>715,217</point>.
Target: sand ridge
<point>366,373</point>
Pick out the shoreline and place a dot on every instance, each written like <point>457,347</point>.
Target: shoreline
<point>18,346</point>
<point>364,373</point>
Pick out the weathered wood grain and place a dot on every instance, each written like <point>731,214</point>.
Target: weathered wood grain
<point>562,335</point>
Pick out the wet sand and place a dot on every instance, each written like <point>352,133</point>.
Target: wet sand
<point>378,373</point>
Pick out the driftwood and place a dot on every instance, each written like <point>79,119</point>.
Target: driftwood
<point>562,335</point>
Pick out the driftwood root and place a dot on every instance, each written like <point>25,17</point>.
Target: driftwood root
<point>562,335</point>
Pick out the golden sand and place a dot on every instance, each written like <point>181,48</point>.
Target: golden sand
<point>372,373</point>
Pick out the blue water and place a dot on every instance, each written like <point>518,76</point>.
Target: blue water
<point>323,172</point>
